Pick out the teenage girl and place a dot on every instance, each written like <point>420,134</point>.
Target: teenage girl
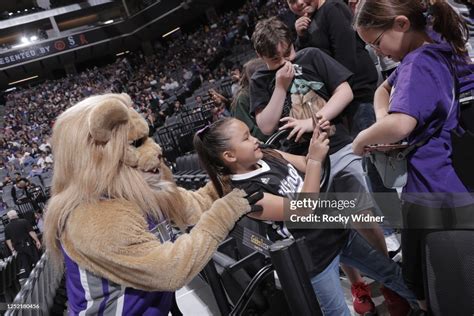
<point>416,99</point>
<point>233,158</point>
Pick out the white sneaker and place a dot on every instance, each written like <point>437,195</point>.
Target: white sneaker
<point>398,257</point>
<point>392,243</point>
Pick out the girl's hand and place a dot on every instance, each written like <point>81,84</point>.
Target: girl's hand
<point>319,145</point>
<point>358,145</point>
<point>299,127</point>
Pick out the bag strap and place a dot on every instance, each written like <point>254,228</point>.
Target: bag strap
<point>402,154</point>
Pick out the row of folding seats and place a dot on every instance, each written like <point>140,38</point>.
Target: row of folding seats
<point>176,139</point>
<point>188,172</point>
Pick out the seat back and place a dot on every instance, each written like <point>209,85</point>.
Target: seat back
<point>449,262</point>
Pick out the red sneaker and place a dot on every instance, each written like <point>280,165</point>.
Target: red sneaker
<point>362,303</point>
<point>396,305</point>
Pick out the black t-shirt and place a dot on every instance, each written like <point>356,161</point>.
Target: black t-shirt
<point>18,231</point>
<point>313,66</point>
<point>331,31</point>
<point>276,178</point>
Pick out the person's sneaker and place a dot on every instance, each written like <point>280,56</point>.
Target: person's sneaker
<point>396,305</point>
<point>362,302</point>
<point>393,245</point>
<point>396,257</point>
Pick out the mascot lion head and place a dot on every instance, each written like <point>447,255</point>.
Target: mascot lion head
<point>101,151</point>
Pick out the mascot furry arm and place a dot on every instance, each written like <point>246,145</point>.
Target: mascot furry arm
<point>108,182</point>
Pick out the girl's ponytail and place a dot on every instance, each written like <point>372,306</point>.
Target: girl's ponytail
<point>449,24</point>
<point>209,143</point>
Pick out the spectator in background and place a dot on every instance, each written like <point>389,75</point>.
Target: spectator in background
<point>7,180</point>
<point>36,171</point>
<point>198,100</point>
<point>45,161</point>
<point>221,104</point>
<point>240,107</point>
<point>19,191</point>
<point>327,25</point>
<point>178,108</point>
<point>235,75</point>
<point>18,235</point>
<point>39,222</point>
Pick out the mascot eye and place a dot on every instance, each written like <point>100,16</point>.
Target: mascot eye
<point>137,143</point>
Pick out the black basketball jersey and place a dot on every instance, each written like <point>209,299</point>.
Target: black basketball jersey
<point>275,177</point>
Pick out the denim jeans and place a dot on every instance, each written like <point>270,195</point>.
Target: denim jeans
<point>360,115</point>
<point>328,290</point>
<point>358,254</point>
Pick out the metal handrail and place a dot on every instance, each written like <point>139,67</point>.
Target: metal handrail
<point>37,294</point>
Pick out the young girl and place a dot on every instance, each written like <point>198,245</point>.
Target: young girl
<point>412,103</point>
<point>233,158</point>
<point>241,104</point>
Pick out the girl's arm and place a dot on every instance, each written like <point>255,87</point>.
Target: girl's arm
<point>273,208</point>
<point>299,162</point>
<point>273,205</point>
<point>391,129</point>
<point>381,100</point>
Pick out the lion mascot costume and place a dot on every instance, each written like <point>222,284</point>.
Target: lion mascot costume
<point>108,219</point>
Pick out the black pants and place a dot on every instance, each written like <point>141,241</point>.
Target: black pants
<point>419,221</point>
<point>27,256</point>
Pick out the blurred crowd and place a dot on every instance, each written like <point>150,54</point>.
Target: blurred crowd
<point>182,63</point>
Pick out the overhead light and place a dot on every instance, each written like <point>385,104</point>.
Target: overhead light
<point>10,13</point>
<point>109,21</point>
<point>10,89</point>
<point>22,80</point>
<point>122,53</point>
<point>21,45</point>
<point>18,11</point>
<point>26,10</point>
<point>34,38</point>
<point>24,40</point>
<point>171,32</point>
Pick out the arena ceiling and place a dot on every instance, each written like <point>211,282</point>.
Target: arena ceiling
<point>126,35</point>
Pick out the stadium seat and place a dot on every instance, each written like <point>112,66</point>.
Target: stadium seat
<point>449,262</point>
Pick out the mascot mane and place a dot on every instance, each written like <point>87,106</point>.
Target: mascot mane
<point>94,160</point>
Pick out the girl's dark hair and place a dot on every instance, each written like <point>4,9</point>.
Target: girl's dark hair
<point>210,142</point>
<point>445,21</point>
<point>248,70</point>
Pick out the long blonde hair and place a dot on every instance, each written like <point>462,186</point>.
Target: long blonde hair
<point>86,171</point>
